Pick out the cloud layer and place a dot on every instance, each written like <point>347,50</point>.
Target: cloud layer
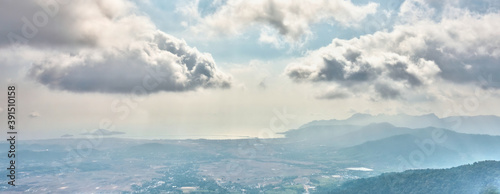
<point>290,18</point>
<point>460,48</point>
<point>71,23</point>
<point>108,47</point>
<point>162,63</point>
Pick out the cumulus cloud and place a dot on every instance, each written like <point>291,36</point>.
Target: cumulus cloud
<point>290,18</point>
<point>107,47</point>
<point>162,63</point>
<point>70,23</point>
<point>459,48</point>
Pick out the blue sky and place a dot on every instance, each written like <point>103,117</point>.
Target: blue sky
<point>157,69</point>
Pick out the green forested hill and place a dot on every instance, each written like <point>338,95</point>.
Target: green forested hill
<point>480,177</point>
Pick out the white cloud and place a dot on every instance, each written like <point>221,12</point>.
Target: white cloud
<point>71,23</point>
<point>104,46</point>
<point>268,37</point>
<point>415,10</point>
<point>162,63</point>
<point>457,49</point>
<point>289,18</point>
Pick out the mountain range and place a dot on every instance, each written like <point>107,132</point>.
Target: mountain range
<point>483,124</point>
<point>400,142</point>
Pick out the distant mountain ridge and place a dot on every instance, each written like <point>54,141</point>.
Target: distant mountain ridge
<point>418,149</point>
<point>400,142</point>
<point>486,124</point>
<point>344,135</point>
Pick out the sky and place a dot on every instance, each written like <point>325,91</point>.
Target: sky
<point>233,68</point>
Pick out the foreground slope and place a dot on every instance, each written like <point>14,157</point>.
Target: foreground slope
<point>480,177</point>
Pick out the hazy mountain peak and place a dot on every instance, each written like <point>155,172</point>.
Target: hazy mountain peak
<point>379,125</point>
<point>430,115</point>
<point>359,116</point>
<point>485,124</point>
